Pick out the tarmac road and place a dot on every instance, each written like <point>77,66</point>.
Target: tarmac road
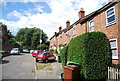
<point>18,67</point>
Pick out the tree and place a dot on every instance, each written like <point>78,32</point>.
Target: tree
<point>30,37</point>
<point>10,37</point>
<point>42,47</point>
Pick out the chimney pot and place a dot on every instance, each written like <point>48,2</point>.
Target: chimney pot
<point>60,29</point>
<point>55,33</point>
<point>81,13</point>
<point>67,23</point>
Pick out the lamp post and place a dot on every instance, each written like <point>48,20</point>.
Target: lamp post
<point>40,40</point>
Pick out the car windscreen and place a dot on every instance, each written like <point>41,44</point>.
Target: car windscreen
<point>15,49</point>
<point>35,51</point>
<point>41,53</point>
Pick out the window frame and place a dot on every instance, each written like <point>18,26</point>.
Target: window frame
<point>114,48</point>
<point>74,30</point>
<point>112,22</point>
<point>91,26</point>
<point>1,33</point>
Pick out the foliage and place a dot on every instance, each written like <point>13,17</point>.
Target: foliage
<point>30,37</point>
<point>11,38</point>
<point>42,47</point>
<point>55,51</point>
<point>63,55</point>
<point>51,51</point>
<point>92,51</point>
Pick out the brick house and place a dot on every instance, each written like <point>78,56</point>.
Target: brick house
<point>3,36</point>
<point>105,19</point>
<point>4,44</point>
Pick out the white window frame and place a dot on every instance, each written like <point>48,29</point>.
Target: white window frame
<point>112,48</point>
<point>68,35</point>
<point>74,30</point>
<point>91,26</point>
<point>112,22</point>
<point>1,33</point>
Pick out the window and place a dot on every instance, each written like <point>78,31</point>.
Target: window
<point>74,30</point>
<point>0,40</point>
<point>113,45</point>
<point>110,16</point>
<point>68,35</point>
<point>1,33</point>
<point>91,26</point>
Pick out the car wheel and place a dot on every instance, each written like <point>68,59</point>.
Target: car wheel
<point>46,61</point>
<point>36,60</point>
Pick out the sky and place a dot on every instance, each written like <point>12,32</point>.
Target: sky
<point>47,15</point>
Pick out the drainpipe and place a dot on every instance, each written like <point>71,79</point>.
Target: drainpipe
<point>86,27</point>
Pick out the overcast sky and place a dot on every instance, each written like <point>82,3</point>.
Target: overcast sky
<point>45,14</point>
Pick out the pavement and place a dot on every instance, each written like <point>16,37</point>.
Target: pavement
<point>50,72</point>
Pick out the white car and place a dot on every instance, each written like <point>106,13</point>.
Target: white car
<point>31,51</point>
<point>26,51</point>
<point>15,51</point>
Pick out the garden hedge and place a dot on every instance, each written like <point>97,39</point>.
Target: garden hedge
<point>63,55</point>
<point>92,51</point>
<point>55,51</point>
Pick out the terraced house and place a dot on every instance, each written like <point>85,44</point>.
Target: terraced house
<point>105,19</point>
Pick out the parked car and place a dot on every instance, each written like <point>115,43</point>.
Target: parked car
<point>35,53</point>
<point>31,51</point>
<point>26,51</point>
<point>44,56</point>
<point>15,51</point>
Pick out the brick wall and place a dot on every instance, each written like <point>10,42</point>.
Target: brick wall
<point>8,48</point>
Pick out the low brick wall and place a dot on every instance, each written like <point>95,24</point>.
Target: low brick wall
<point>7,48</point>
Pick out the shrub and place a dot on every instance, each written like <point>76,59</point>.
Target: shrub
<point>51,51</point>
<point>63,55</point>
<point>92,51</point>
<point>55,51</point>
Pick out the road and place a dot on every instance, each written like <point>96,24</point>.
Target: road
<point>18,67</point>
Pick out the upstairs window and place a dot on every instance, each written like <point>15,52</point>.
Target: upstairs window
<point>74,30</point>
<point>110,15</point>
<point>91,26</point>
<point>68,35</point>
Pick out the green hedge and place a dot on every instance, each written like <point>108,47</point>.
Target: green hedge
<point>92,51</point>
<point>63,55</point>
<point>55,51</point>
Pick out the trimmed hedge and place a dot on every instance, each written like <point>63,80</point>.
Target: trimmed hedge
<point>63,55</point>
<point>92,51</point>
<point>55,51</point>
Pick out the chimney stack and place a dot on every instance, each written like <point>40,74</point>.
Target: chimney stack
<point>81,13</point>
<point>55,33</point>
<point>60,29</point>
<point>67,23</point>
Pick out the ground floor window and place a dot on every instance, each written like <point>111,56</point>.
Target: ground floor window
<point>114,48</point>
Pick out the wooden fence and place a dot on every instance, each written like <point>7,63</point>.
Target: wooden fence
<point>113,73</point>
